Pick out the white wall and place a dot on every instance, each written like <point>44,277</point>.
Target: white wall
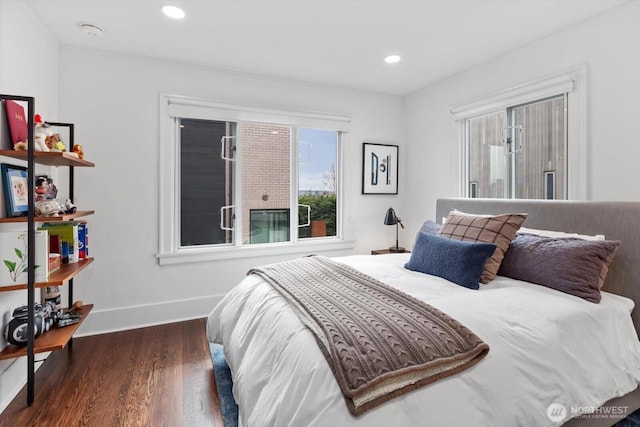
<point>29,67</point>
<point>609,46</point>
<point>114,101</point>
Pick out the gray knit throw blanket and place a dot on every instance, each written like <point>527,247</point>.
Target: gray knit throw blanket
<point>380,342</point>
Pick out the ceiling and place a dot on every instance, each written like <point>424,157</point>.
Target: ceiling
<point>332,42</point>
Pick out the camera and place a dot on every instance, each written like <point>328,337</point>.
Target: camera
<point>44,317</point>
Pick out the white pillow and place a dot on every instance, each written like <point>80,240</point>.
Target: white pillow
<point>560,234</point>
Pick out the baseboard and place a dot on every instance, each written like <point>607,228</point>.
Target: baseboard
<point>140,316</point>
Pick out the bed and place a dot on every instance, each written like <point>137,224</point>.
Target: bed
<point>549,351</point>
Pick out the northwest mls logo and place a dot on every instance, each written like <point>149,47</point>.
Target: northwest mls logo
<point>556,412</point>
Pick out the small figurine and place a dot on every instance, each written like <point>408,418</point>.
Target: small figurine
<point>52,190</point>
<point>41,188</point>
<point>45,188</point>
<point>79,151</point>
<point>69,207</point>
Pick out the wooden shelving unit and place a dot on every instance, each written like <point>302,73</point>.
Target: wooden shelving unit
<point>54,339</point>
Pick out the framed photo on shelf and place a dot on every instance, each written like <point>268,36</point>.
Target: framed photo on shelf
<point>379,168</point>
<point>15,184</point>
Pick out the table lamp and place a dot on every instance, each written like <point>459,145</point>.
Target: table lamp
<point>391,219</point>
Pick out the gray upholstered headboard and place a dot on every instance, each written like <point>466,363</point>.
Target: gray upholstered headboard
<point>616,220</point>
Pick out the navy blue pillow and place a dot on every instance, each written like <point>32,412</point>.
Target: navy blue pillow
<point>458,261</point>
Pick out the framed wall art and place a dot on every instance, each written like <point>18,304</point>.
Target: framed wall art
<point>379,168</point>
<point>14,180</point>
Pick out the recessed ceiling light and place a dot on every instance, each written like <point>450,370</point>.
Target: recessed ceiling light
<point>392,59</point>
<point>173,12</point>
<point>92,30</point>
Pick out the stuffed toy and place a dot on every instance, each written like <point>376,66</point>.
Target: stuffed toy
<point>40,134</point>
<point>54,143</point>
<point>45,139</point>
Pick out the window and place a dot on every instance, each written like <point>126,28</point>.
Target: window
<point>511,152</point>
<point>236,178</point>
<point>527,142</point>
<point>205,184</point>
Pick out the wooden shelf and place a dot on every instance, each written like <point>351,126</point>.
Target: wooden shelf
<point>56,218</point>
<point>57,278</point>
<point>55,339</point>
<point>50,158</point>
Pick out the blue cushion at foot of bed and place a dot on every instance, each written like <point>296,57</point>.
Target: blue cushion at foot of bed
<point>228,405</point>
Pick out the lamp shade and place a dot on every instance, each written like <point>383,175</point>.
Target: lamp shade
<point>390,218</point>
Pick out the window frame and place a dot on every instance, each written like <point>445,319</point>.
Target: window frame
<point>573,83</point>
<point>173,107</point>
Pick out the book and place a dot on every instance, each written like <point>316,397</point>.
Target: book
<point>17,121</point>
<point>55,244</point>
<point>55,239</point>
<point>86,240</point>
<point>54,262</point>
<point>83,249</point>
<point>5,137</point>
<point>15,255</point>
<point>68,232</point>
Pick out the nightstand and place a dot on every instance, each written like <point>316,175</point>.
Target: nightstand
<point>387,251</point>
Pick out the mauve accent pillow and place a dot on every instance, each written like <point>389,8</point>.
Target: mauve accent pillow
<point>498,229</point>
<point>457,261</point>
<point>571,265</point>
<point>429,227</point>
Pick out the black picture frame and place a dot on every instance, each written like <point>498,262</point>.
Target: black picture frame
<point>15,184</point>
<point>380,168</point>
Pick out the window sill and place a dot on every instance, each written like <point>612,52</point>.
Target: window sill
<point>232,252</point>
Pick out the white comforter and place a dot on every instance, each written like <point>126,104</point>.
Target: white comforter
<point>546,348</point>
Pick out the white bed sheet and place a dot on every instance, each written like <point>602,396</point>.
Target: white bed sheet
<point>546,347</point>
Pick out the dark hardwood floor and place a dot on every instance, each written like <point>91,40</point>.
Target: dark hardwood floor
<point>156,376</point>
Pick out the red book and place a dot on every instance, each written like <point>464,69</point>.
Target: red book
<point>55,244</point>
<point>17,121</point>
